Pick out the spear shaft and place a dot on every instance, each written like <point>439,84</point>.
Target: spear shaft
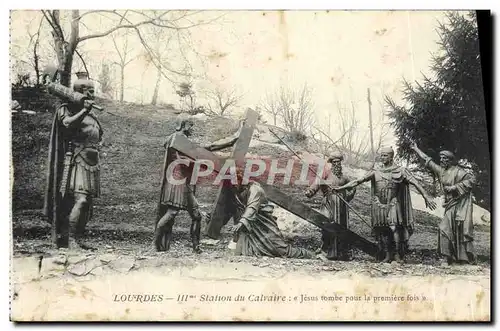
<point>338,195</point>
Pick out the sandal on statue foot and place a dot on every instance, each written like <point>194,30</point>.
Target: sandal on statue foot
<point>85,246</point>
<point>387,259</point>
<point>398,259</point>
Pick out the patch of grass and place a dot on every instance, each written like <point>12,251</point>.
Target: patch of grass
<point>30,139</point>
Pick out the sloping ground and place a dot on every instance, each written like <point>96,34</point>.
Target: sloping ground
<point>132,156</point>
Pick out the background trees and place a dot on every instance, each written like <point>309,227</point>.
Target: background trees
<point>447,110</point>
<point>293,108</point>
<point>69,31</point>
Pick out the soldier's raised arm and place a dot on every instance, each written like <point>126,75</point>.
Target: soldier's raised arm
<point>225,142</point>
<point>429,202</point>
<point>435,168</point>
<point>353,183</point>
<point>69,120</point>
<point>350,192</point>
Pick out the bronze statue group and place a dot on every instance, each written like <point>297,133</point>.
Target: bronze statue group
<point>73,182</point>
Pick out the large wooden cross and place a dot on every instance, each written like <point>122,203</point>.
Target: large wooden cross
<point>195,152</point>
<point>220,215</point>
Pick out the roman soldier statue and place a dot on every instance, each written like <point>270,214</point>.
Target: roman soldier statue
<point>73,167</point>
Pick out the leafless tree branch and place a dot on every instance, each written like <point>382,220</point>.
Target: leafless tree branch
<point>83,62</point>
<point>221,100</point>
<point>155,21</point>
<point>49,20</point>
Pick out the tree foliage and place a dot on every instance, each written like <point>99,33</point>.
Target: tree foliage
<point>447,111</point>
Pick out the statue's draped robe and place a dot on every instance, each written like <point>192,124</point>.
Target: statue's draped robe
<point>262,236</point>
<point>456,231</point>
<point>391,206</point>
<point>53,206</point>
<point>83,175</point>
<point>335,209</point>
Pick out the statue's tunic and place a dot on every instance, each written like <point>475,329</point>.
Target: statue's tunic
<point>173,194</point>
<point>456,231</point>
<point>85,169</point>
<point>390,199</point>
<point>262,236</point>
<point>335,209</point>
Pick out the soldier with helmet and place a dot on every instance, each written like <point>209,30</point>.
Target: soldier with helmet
<point>73,167</point>
<point>391,207</point>
<point>336,209</point>
<point>176,197</point>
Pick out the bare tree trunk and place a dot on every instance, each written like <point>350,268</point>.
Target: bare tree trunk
<point>191,102</point>
<point>66,72</point>
<point>371,123</point>
<point>65,49</point>
<point>36,60</point>
<point>157,88</point>
<point>122,83</point>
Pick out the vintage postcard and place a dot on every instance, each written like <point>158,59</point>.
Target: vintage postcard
<point>249,165</point>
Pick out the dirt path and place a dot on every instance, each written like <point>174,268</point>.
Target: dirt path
<point>127,229</point>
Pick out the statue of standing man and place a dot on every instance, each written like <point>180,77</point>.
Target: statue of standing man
<point>391,208</point>
<point>179,197</point>
<point>333,206</point>
<point>456,231</point>
<point>73,167</point>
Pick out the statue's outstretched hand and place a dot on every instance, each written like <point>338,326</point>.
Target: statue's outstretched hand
<point>238,227</point>
<point>429,203</point>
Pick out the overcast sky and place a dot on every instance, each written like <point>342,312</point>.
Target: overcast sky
<point>339,54</point>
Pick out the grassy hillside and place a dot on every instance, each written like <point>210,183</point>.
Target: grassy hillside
<point>132,156</point>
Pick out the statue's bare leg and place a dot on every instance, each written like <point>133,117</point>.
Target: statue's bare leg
<point>398,247</point>
<point>163,231</point>
<point>386,244</point>
<point>344,250</point>
<point>194,212</point>
<point>195,229</point>
<point>472,258</point>
<point>78,219</point>
<point>381,249</point>
<point>325,242</point>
